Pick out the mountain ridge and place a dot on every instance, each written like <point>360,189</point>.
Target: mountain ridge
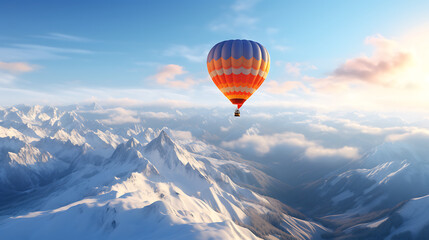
<point>137,183</point>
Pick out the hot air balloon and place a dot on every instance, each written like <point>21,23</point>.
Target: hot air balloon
<point>238,68</point>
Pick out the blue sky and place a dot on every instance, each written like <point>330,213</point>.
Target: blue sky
<point>109,51</point>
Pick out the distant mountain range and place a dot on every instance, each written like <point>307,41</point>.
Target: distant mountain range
<point>63,176</point>
<point>66,173</point>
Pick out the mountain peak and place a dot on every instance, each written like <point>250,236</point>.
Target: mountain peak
<point>163,139</point>
<point>169,152</point>
<point>163,144</point>
<point>95,106</point>
<point>132,143</point>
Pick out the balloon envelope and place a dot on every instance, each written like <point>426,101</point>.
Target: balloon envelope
<point>238,68</point>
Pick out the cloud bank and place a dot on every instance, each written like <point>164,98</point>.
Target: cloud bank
<point>263,144</point>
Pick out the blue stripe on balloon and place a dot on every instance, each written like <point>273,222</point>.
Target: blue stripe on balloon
<point>212,52</point>
<point>247,49</point>
<point>218,51</point>
<point>226,50</point>
<point>237,49</point>
<point>256,50</point>
<point>263,51</point>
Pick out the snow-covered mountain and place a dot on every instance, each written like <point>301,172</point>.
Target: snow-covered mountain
<point>407,220</point>
<point>66,176</point>
<point>92,172</point>
<point>391,173</point>
<point>415,223</point>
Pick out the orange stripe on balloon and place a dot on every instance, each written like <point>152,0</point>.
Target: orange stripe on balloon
<point>241,80</point>
<point>235,63</point>
<point>232,95</point>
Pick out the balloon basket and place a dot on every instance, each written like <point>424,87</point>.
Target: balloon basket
<point>237,113</point>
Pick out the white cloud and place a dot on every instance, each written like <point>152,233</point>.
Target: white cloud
<point>64,37</point>
<point>16,67</point>
<point>263,144</point>
<point>195,54</point>
<point>283,87</point>
<point>391,65</point>
<point>393,78</point>
<point>132,102</point>
<point>237,21</point>
<point>167,76</point>
<point>25,52</point>
<point>115,102</point>
<point>10,70</point>
<point>322,127</point>
<point>293,68</point>
<point>254,130</point>
<point>296,68</point>
<point>120,116</point>
<point>411,132</point>
<point>172,103</point>
<point>272,30</point>
<point>243,5</point>
<point>381,68</point>
<point>344,152</point>
<point>225,129</point>
<point>53,49</point>
<point>118,97</point>
<point>361,128</point>
<point>158,115</point>
<point>281,48</point>
<point>6,78</point>
<point>168,72</point>
<point>261,115</point>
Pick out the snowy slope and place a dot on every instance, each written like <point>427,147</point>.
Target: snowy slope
<point>415,219</point>
<point>242,172</point>
<point>408,220</point>
<point>90,181</point>
<point>391,173</point>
